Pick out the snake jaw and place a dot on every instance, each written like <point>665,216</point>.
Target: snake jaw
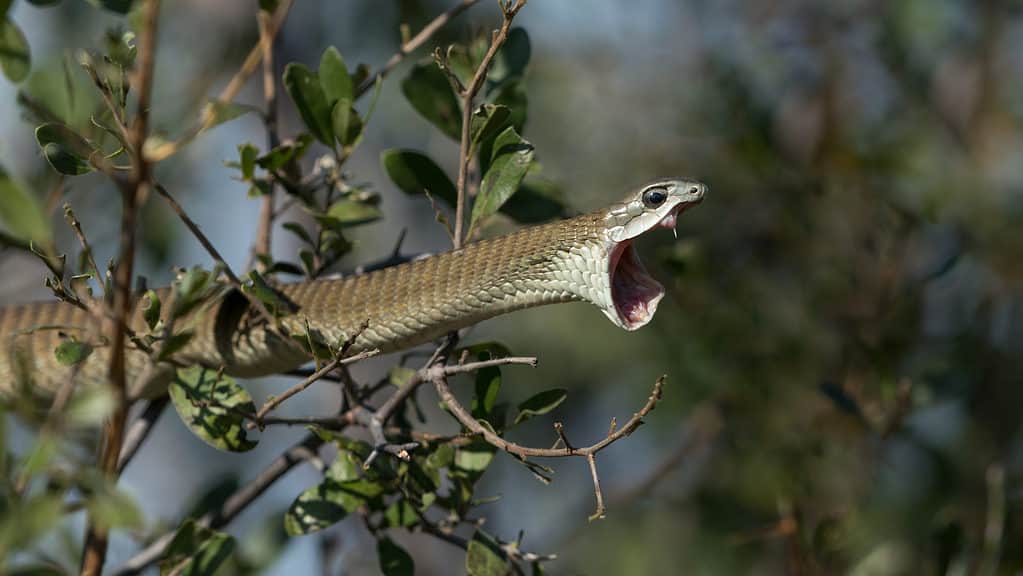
<point>634,293</point>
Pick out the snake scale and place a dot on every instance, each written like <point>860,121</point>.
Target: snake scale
<point>585,258</point>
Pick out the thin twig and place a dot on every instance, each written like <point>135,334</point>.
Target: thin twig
<point>264,233</point>
<point>234,505</point>
<point>414,43</point>
<point>599,514</point>
<point>139,431</point>
<point>228,94</point>
<point>97,536</point>
<point>76,226</point>
<point>465,148</point>
<point>276,401</point>
<point>232,278</point>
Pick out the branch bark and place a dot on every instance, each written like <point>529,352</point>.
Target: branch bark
<point>97,537</point>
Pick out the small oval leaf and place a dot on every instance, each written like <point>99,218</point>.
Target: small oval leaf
<point>209,404</point>
<point>334,77</point>
<point>510,161</point>
<point>65,149</point>
<point>394,560</point>
<point>21,213</point>
<point>71,352</point>
<point>541,403</point>
<point>307,93</point>
<point>415,173</point>
<point>430,93</point>
<point>15,56</point>
<point>484,556</point>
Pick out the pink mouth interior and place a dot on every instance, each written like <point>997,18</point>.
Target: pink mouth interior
<point>634,292</point>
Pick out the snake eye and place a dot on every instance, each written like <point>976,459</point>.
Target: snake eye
<point>654,197</point>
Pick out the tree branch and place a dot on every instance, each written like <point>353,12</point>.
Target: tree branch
<point>522,452</point>
<point>414,43</point>
<point>96,538</point>
<point>264,233</point>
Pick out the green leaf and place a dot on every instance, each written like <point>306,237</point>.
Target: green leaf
<point>442,457</point>
<point>513,57</point>
<point>298,230</point>
<point>71,352</point>
<point>15,56</point>
<point>151,306</point>
<point>541,403</point>
<point>196,551</point>
<point>89,407</point>
<point>484,556</point>
<point>307,93</point>
<point>488,384</point>
<point>174,343</point>
<point>429,92</point>
<point>280,156</point>
<point>465,59</point>
<point>401,514</point>
<point>221,112</point>
<point>109,506</point>
<point>21,213</point>
<point>5,5</point>
<point>208,403</point>
<point>415,173</point>
<point>119,6</point>
<point>354,213</point>
<point>193,286</point>
<point>258,287</point>
<point>509,164</point>
<point>334,77</point>
<point>121,47</point>
<point>513,95</point>
<point>474,457</point>
<point>64,149</point>
<point>535,201</point>
<point>487,121</point>
<point>394,560</point>
<point>400,376</point>
<point>324,505</point>
<point>346,123</point>
<point>27,520</point>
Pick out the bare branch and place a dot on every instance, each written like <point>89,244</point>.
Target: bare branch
<point>276,401</point>
<point>232,278</point>
<point>139,430</point>
<point>96,538</point>
<point>414,43</point>
<point>76,226</point>
<point>232,506</point>
<point>522,452</point>
<point>263,242</point>
<point>599,513</point>
<point>229,92</point>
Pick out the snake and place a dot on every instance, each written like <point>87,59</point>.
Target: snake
<point>590,257</point>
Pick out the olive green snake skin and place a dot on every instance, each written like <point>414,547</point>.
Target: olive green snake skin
<point>586,258</point>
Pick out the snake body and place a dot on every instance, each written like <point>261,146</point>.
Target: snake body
<point>586,258</point>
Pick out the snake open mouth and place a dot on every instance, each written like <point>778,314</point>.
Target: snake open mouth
<point>634,292</point>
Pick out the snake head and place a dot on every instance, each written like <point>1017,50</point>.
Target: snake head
<point>657,204</point>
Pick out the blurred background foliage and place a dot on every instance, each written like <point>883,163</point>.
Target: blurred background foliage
<point>843,331</point>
